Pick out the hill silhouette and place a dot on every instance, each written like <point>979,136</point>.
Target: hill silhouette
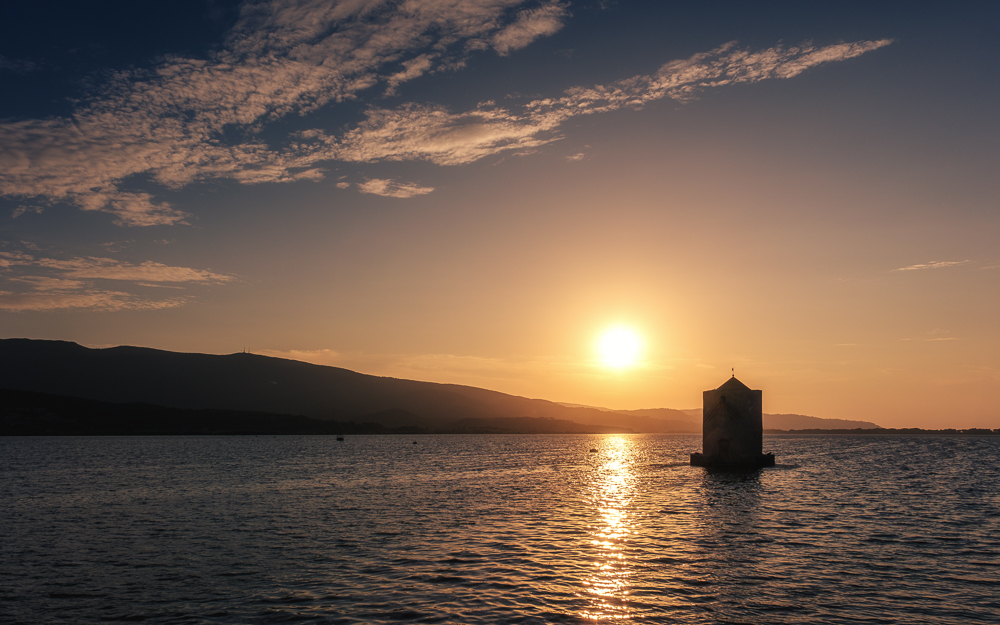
<point>261,384</point>
<point>28,413</point>
<point>254,384</point>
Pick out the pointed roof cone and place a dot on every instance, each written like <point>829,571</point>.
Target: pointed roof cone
<point>732,384</point>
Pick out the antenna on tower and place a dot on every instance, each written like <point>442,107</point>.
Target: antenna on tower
<point>734,372</point>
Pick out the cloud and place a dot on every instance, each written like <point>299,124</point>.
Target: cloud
<point>110,269</point>
<point>11,259</point>
<point>391,188</point>
<point>43,283</point>
<point>103,301</point>
<point>530,25</point>
<point>935,335</point>
<point>21,210</point>
<point>170,123</point>
<point>51,284</point>
<point>934,264</point>
<point>186,120</point>
<point>432,133</point>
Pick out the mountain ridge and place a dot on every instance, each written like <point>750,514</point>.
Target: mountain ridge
<point>255,383</point>
<point>250,382</point>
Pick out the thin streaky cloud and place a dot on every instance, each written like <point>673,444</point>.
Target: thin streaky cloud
<point>934,264</point>
<point>159,285</point>
<point>432,133</point>
<point>391,188</point>
<point>111,269</point>
<point>41,284</point>
<point>11,259</point>
<point>102,301</point>
<point>47,283</point>
<point>931,339</point>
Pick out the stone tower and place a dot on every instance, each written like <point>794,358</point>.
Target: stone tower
<point>732,427</point>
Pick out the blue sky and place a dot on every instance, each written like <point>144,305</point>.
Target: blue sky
<point>470,191</point>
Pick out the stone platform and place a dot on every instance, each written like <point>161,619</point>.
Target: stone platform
<point>701,460</point>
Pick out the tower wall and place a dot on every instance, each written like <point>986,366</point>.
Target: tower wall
<point>733,424</point>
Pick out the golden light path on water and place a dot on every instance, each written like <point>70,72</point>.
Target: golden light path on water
<point>609,583</point>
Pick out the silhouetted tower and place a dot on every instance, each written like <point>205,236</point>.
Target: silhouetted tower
<point>732,427</point>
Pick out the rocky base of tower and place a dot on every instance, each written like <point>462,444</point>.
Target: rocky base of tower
<point>701,460</point>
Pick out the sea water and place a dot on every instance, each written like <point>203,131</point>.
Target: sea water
<point>497,529</point>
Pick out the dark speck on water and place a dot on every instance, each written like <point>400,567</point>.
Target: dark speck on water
<point>497,529</point>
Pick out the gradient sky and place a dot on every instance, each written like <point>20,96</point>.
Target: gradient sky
<point>472,191</point>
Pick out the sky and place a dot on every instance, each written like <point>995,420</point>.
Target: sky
<point>475,191</point>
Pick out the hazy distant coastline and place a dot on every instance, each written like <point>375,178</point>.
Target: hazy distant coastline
<point>690,420</point>
<point>24,413</point>
<point>891,432</point>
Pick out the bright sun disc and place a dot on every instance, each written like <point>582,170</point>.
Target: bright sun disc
<point>619,347</point>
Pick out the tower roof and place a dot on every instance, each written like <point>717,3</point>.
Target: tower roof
<point>732,384</point>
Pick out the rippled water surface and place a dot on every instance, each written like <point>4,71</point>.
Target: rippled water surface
<point>497,529</point>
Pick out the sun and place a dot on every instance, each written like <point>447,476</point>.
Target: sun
<point>619,347</point>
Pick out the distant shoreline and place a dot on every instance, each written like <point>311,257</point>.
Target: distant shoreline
<point>27,413</point>
<point>892,432</point>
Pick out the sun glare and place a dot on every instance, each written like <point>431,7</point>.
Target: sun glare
<point>619,347</point>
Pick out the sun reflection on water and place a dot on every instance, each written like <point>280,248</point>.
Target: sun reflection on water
<point>608,585</point>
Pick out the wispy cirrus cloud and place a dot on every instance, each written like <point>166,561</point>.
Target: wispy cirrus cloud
<point>101,300</point>
<point>934,339</point>
<point>934,264</point>
<point>391,188</point>
<point>110,269</point>
<point>283,57</point>
<point>174,124</point>
<point>934,336</point>
<point>432,133</point>
<point>41,283</point>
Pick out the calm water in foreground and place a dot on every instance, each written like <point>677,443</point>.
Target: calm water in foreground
<point>496,529</point>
